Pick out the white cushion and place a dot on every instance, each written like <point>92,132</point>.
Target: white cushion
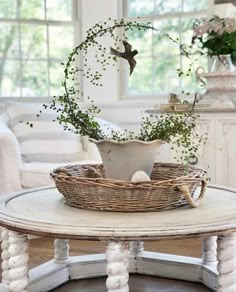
<point>108,128</point>
<point>37,174</point>
<point>46,141</point>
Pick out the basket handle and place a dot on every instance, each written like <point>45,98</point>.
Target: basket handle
<point>193,203</point>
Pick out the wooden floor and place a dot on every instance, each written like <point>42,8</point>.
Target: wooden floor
<point>136,284</point>
<point>41,250</point>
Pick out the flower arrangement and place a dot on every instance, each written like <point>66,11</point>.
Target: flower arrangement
<point>178,128</point>
<point>216,36</point>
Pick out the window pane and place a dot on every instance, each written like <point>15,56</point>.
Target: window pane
<point>8,8</point>
<point>56,78</point>
<point>189,83</point>
<point>10,84</point>
<point>35,78</point>
<point>59,49</point>
<point>33,41</point>
<point>141,80</point>
<point>193,5</point>
<point>32,9</point>
<point>59,10</point>
<point>165,73</point>
<point>141,41</point>
<point>9,40</point>
<point>167,6</point>
<point>159,56</point>
<point>187,30</point>
<point>140,8</point>
<point>162,44</point>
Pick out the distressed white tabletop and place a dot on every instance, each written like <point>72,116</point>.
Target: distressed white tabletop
<point>43,212</point>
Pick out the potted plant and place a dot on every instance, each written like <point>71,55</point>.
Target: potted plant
<point>176,127</point>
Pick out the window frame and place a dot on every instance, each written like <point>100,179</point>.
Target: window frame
<point>123,76</point>
<point>74,23</point>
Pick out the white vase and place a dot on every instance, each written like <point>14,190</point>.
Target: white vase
<point>222,63</point>
<point>122,159</point>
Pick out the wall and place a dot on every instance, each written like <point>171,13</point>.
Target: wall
<point>127,114</point>
<point>92,13</point>
<point>225,9</point>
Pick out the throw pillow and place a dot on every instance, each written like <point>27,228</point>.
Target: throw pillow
<point>46,141</point>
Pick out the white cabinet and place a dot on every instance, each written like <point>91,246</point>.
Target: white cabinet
<point>225,149</point>
<point>218,156</point>
<point>206,155</point>
<point>205,158</point>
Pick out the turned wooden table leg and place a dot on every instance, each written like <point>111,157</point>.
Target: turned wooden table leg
<point>61,250</point>
<point>226,253</point>
<point>209,248</point>
<point>136,247</point>
<point>5,258</point>
<point>117,266</point>
<point>18,262</point>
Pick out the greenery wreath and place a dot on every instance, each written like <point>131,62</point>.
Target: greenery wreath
<point>179,128</point>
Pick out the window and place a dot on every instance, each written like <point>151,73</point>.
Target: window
<point>158,58</point>
<point>36,36</point>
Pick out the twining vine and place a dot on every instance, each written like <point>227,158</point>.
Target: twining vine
<point>179,128</point>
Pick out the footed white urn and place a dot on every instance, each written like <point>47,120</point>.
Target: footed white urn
<point>219,86</point>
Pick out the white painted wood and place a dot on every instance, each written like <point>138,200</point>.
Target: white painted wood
<point>210,277</point>
<point>225,151</point>
<point>209,247</point>
<point>18,261</point>
<point>226,253</point>
<point>136,247</point>
<point>48,276</point>
<point>165,265</point>
<point>218,155</point>
<point>87,266</point>
<point>206,154</point>
<point>211,217</point>
<point>61,250</point>
<point>5,258</point>
<point>117,266</point>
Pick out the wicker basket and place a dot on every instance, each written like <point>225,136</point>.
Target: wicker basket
<point>171,186</point>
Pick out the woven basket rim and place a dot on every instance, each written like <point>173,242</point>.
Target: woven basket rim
<point>196,175</point>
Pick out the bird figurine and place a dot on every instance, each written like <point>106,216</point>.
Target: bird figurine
<point>128,55</point>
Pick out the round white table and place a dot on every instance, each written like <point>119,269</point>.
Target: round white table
<point>43,212</point>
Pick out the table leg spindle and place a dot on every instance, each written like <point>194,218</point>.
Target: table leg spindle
<point>5,258</point>
<point>61,249</point>
<point>136,247</point>
<point>18,262</point>
<point>117,266</point>
<point>209,248</point>
<point>226,253</point>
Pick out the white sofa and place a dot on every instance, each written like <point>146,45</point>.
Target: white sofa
<point>15,174</point>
